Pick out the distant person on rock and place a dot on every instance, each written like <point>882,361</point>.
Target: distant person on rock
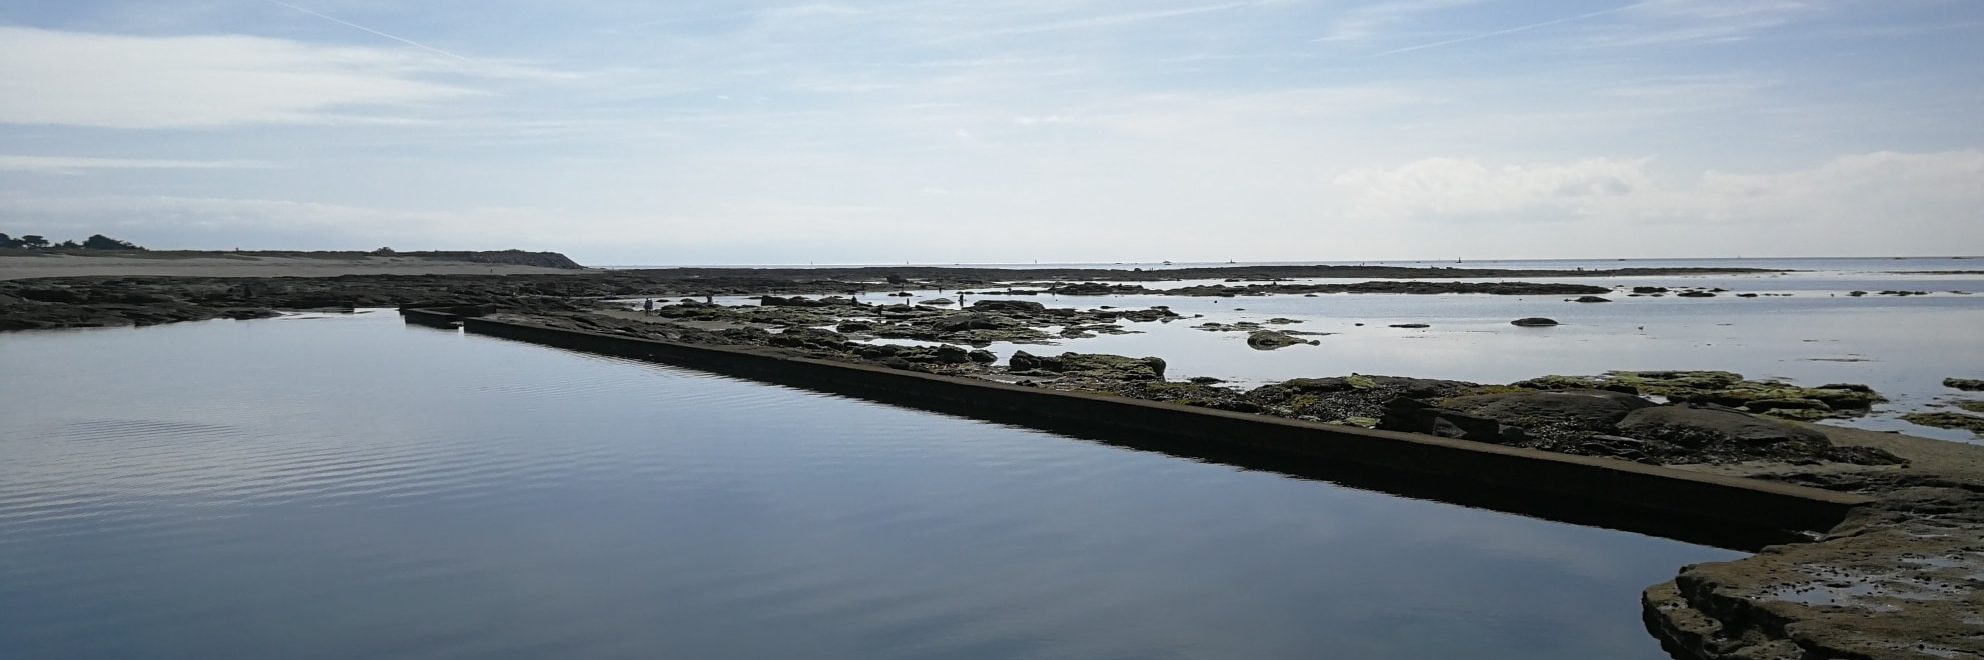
<point>647,307</point>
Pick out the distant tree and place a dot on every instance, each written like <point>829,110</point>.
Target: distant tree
<point>33,241</point>
<point>384,251</point>
<point>102,242</point>
<point>70,245</point>
<point>9,242</point>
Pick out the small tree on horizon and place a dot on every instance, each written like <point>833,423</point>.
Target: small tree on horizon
<point>8,242</point>
<point>34,241</point>
<point>102,242</point>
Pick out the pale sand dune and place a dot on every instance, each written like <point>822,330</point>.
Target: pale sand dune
<point>25,267</point>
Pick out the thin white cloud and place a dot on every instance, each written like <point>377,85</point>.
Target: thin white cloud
<point>362,28</point>
<point>1506,31</point>
<point>1366,22</point>
<point>1458,187</point>
<point>1880,203</point>
<point>1105,20</point>
<point>119,81</point>
<point>1669,22</point>
<point>1943,187</point>
<point>77,165</point>
<point>811,10</point>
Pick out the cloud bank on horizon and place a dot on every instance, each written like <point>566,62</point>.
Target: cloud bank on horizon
<point>706,132</point>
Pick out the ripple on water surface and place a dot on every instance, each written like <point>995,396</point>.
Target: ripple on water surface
<point>357,488</point>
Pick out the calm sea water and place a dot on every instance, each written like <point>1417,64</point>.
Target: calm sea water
<point>350,487</point>
<point>1818,334</point>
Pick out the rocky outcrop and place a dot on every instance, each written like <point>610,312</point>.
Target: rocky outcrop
<point>1268,340</point>
<point>1727,389</point>
<point>1948,420</point>
<point>1899,579</point>
<point>1534,322</point>
<point>1088,366</point>
<point>1355,399</point>
<point>1409,287</point>
<point>962,322</point>
<point>1694,426</point>
<point>1416,416</point>
<point>1571,411</point>
<point>1095,289</point>
<point>1008,305</point>
<point>801,301</point>
<point>1620,425</point>
<point>1965,384</point>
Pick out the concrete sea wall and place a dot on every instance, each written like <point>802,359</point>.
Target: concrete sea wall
<point>1695,507</point>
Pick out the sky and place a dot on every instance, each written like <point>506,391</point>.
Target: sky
<point>1000,131</point>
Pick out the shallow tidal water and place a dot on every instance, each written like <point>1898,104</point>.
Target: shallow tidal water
<point>352,487</point>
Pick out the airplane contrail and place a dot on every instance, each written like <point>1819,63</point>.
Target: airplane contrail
<point>1513,30</point>
<point>356,26</point>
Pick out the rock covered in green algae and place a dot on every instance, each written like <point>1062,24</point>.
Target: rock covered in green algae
<point>1091,366</point>
<point>1616,424</point>
<point>1341,398</point>
<point>1965,384</point>
<point>1268,340</point>
<point>1726,389</point>
<point>1948,420</point>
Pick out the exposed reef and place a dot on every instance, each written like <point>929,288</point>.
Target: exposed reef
<point>1726,389</point>
<point>1408,287</point>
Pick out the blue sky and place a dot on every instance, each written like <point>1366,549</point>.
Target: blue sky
<point>1001,131</point>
